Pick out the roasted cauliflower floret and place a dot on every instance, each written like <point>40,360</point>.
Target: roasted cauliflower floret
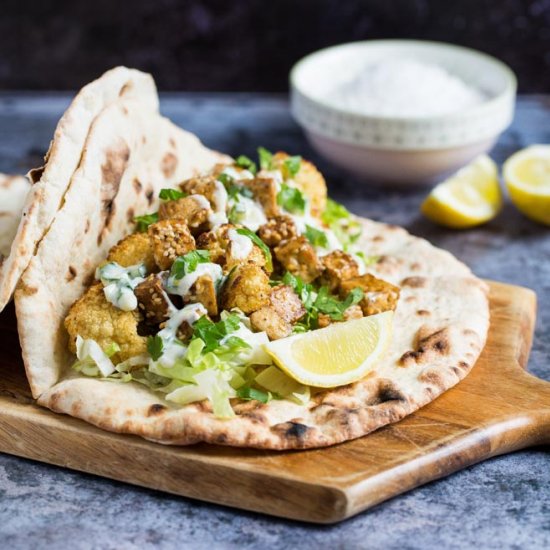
<point>265,192</point>
<point>170,239</point>
<point>309,180</point>
<point>247,288</point>
<point>379,294</point>
<point>224,251</point>
<point>92,316</point>
<point>206,186</point>
<point>353,312</point>
<point>339,266</point>
<point>277,229</point>
<point>277,318</point>
<point>298,256</point>
<point>194,210</point>
<point>133,249</point>
<point>152,300</point>
<point>266,319</point>
<point>216,242</point>
<point>203,291</point>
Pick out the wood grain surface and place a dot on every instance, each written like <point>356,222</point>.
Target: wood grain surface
<point>498,408</point>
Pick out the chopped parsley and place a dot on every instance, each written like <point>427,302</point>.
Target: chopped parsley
<point>291,199</point>
<point>292,165</point>
<point>234,191</point>
<point>320,301</point>
<point>186,264</point>
<point>334,212</point>
<point>155,347</point>
<point>316,237</point>
<point>266,158</point>
<point>213,333</point>
<point>226,180</point>
<point>340,221</point>
<point>143,222</point>
<point>171,194</point>
<point>242,161</point>
<point>257,241</point>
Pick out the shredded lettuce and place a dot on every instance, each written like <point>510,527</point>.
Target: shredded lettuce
<point>276,381</point>
<point>91,358</point>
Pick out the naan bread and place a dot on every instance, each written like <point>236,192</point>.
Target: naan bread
<point>440,324</point>
<point>13,191</point>
<point>440,327</point>
<point>51,181</point>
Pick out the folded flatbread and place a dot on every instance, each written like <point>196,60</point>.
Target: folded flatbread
<point>129,153</point>
<point>51,182</point>
<point>13,191</point>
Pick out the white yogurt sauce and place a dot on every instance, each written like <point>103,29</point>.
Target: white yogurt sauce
<point>250,213</point>
<point>240,246</point>
<point>182,286</point>
<point>119,283</point>
<point>238,175</point>
<point>172,349</point>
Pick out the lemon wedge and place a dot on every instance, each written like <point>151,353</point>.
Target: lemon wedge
<point>336,355</point>
<point>468,198</point>
<point>527,178</point>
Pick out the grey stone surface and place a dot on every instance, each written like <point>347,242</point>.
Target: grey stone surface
<point>502,503</point>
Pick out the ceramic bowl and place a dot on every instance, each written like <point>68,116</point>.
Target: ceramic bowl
<point>399,150</point>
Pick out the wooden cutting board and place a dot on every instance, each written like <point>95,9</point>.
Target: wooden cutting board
<point>498,408</point>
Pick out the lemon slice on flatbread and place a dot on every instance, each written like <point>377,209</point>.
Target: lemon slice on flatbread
<point>336,355</point>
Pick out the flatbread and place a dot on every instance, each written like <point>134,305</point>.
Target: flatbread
<point>129,155</point>
<point>440,324</point>
<point>440,328</point>
<point>13,191</point>
<point>51,181</point>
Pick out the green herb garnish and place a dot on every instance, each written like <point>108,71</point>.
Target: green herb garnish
<point>171,194</point>
<point>226,180</point>
<point>334,212</point>
<point>332,306</point>
<point>234,191</point>
<point>291,199</point>
<point>367,260</point>
<point>242,161</point>
<point>319,301</point>
<point>186,264</point>
<point>249,394</point>
<point>143,222</point>
<point>316,237</point>
<point>266,158</point>
<point>212,333</point>
<point>292,165</point>
<point>257,241</point>
<point>234,343</point>
<point>155,346</point>
<point>340,221</point>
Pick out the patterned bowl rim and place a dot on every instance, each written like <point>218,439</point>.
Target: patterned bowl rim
<point>497,111</point>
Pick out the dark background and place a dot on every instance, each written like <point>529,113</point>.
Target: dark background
<point>248,45</point>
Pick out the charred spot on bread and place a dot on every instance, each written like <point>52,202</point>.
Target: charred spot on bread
<point>155,409</point>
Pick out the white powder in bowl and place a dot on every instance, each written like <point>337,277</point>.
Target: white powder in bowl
<point>405,88</point>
